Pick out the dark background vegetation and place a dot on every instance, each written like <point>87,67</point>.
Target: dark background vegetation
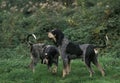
<point>82,21</point>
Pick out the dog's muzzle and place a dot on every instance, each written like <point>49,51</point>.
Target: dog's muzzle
<point>45,61</point>
<point>51,36</point>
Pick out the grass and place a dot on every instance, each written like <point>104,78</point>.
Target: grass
<point>14,70</point>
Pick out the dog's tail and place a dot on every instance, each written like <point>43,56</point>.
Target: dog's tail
<point>100,46</point>
<point>29,42</point>
<point>105,43</point>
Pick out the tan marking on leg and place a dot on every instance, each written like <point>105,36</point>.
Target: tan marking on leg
<point>90,70</point>
<point>91,73</point>
<point>32,66</point>
<point>101,69</point>
<point>68,69</point>
<point>54,70</point>
<point>33,70</point>
<point>64,73</point>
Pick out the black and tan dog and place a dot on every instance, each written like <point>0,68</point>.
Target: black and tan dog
<point>48,54</point>
<point>69,50</point>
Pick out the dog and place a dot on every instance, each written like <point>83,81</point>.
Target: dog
<point>48,54</point>
<point>69,50</point>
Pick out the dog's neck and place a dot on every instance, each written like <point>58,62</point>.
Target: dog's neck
<point>64,44</point>
<point>65,41</point>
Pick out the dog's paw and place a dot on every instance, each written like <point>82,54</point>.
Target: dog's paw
<point>54,70</point>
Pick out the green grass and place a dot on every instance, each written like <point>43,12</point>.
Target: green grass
<point>14,70</point>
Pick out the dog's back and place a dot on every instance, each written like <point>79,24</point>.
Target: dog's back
<point>37,49</point>
<point>50,49</point>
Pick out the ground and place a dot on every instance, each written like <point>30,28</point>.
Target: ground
<point>13,69</point>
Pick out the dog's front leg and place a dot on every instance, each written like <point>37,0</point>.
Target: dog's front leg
<point>54,70</point>
<point>31,65</point>
<point>64,57</point>
<point>64,71</point>
<point>69,66</point>
<point>55,61</point>
<point>49,66</point>
<point>65,68</point>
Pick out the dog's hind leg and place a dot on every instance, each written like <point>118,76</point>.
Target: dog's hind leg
<point>101,69</point>
<point>88,64</point>
<point>95,62</point>
<point>34,61</point>
<point>32,66</point>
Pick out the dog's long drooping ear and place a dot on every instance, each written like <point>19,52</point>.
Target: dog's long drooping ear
<point>58,35</point>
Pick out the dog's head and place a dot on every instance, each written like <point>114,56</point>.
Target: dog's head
<point>56,35</point>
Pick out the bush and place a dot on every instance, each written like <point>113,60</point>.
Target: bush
<point>82,23</point>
